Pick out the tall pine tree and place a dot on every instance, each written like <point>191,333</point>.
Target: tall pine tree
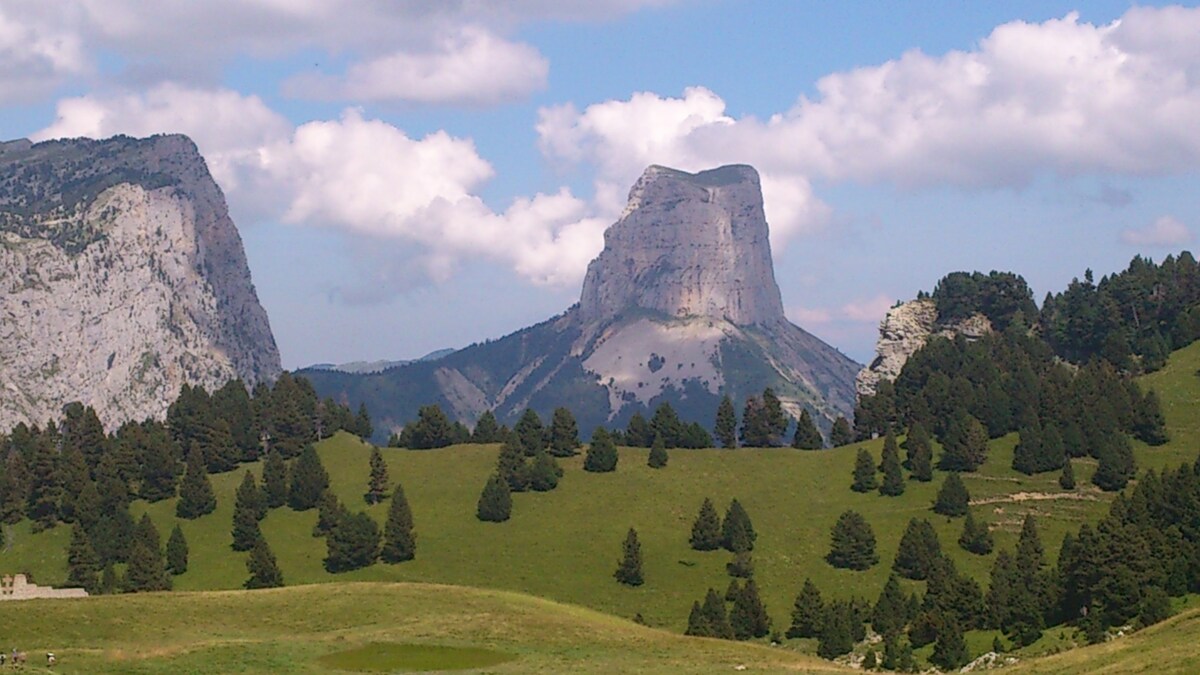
<point>399,540</point>
<point>262,567</point>
<point>725,430</point>
<point>807,436</point>
<point>629,568</point>
<point>706,529</point>
<point>196,496</point>
<point>377,483</point>
<point>893,475</point>
<point>308,480</point>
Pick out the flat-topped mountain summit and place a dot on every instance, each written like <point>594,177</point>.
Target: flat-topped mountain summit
<point>122,277</point>
<point>681,306</point>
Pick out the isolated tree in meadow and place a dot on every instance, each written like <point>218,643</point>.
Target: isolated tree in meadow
<point>353,543</point>
<point>487,430</point>
<point>377,482</point>
<point>725,430</point>
<point>864,472</point>
<point>275,480</point>
<point>564,434</point>
<point>852,543</point>
<point>841,433</point>
<point>893,474</point>
<point>807,436</point>
<point>706,529</point>
<point>919,551</point>
<point>399,540</point>
<point>658,453</point>
<point>976,537</point>
<point>262,567</point>
<point>177,551</point>
<point>1066,480</point>
<point>737,532</point>
<point>629,568</point>
<point>196,496</point>
<point>308,479</point>
<point>530,432</point>
<point>952,499</point>
<point>495,502</point>
<point>601,453</point>
<point>808,612</point>
<point>83,565</point>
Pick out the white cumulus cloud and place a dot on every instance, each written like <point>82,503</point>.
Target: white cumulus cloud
<point>1164,231</point>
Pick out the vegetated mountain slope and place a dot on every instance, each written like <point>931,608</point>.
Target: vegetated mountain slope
<point>122,278</point>
<point>681,306</point>
<point>291,630</point>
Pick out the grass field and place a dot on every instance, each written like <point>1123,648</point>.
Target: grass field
<point>564,545</point>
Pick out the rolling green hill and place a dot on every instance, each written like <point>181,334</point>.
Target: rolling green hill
<point>564,545</point>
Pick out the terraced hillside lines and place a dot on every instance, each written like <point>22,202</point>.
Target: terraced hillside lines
<point>290,630</point>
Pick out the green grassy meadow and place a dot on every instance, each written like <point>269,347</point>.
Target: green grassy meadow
<point>563,545</point>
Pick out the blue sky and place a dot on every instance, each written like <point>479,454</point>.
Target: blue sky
<point>409,176</point>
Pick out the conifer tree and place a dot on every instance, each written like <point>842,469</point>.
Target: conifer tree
<point>110,581</point>
<point>638,433</point>
<point>806,436</point>
<point>725,430</point>
<point>247,507</point>
<point>196,496</point>
<point>146,570</point>
<point>920,453</point>
<point>658,453</point>
<point>159,472</point>
<point>486,429</point>
<point>530,432</point>
<point>976,537</point>
<point>715,615</point>
<point>1029,448</point>
<point>888,616</point>
<point>262,567</point>
<point>841,433</point>
<point>45,491</point>
<point>864,472</point>
<point>112,535</point>
<point>775,421</point>
<point>399,540</point>
<point>511,464</point>
<point>495,503</point>
<point>177,552</point>
<point>950,649</point>
<point>1066,480</point>
<point>353,543</point>
<point>14,480</point>
<point>836,637</point>
<point>737,532</point>
<point>893,475</point>
<point>808,612</point>
<point>83,565</point>
<point>1149,425</point>
<point>564,434</point>
<point>1116,465</point>
<point>952,499</point>
<point>665,423</point>
<point>543,472</point>
<point>329,511</point>
<point>919,552</point>
<point>742,565</point>
<point>275,480</point>
<point>377,484</point>
<point>965,448</point>
<point>852,543</point>
<point>601,453</point>
<point>73,476</point>
<point>697,626</point>
<point>362,423</point>
<point>748,618</point>
<point>308,480</point>
<point>629,568</point>
<point>706,530</point>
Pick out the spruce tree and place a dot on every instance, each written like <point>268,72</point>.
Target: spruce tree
<point>246,509</point>
<point>1028,450</point>
<point>841,433</point>
<point>177,552</point>
<point>264,571</point>
<point>45,491</point>
<point>919,551</point>
<point>836,637</point>
<point>275,480</point>
<point>308,480</point>
<point>159,473</point>
<point>146,570</point>
<point>530,432</point>
<point>110,582</point>
<point>742,565</point>
<point>658,453</point>
<point>725,430</point>
<point>697,626</point>
<point>495,502</point>
<point>543,472</point>
<point>976,537</point>
<point>601,453</point>
<point>715,615</point>
<point>893,475</point>
<point>1116,465</point>
<point>638,433</point>
<point>329,510</point>
<point>864,472</point>
<point>73,476</point>
<point>511,464</point>
<point>564,434</point>
<point>808,612</point>
<point>362,423</point>
<point>377,483</point>
<point>775,421</point>
<point>920,453</point>
<point>966,445</point>
<point>888,615</point>
<point>399,540</point>
<point>353,543</point>
<point>737,532</point>
<point>952,499</point>
<point>196,496</point>
<point>1066,480</point>
<point>852,543</point>
<point>629,568</point>
<point>706,530</point>
<point>486,429</point>
<point>748,618</point>
<point>806,436</point>
<point>665,423</point>
<point>950,649</point>
<point>83,565</point>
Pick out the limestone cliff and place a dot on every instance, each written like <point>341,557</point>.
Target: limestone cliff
<point>681,306</point>
<point>121,278</point>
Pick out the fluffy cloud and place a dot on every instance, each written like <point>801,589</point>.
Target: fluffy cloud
<point>473,67</point>
<point>1164,231</point>
<point>359,175</point>
<point>35,57</point>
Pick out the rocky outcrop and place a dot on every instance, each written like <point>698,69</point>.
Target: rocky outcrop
<point>122,277</point>
<point>905,329</point>
<point>681,306</point>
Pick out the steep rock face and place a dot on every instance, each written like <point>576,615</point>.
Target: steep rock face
<point>122,278</point>
<point>687,245</point>
<point>681,306</point>
<point>905,329</point>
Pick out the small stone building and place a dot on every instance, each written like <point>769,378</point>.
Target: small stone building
<point>17,587</point>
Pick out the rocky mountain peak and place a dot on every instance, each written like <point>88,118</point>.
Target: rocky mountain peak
<point>687,245</point>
